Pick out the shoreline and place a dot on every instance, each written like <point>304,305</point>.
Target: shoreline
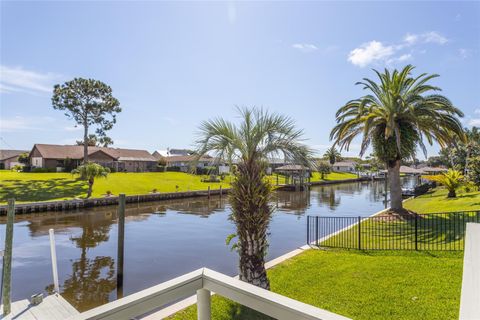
<point>75,204</point>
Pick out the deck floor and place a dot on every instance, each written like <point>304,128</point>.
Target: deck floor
<point>53,307</point>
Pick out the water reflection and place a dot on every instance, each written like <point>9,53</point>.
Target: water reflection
<point>162,240</point>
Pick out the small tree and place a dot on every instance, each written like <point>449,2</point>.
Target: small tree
<point>90,103</point>
<point>324,169</point>
<point>452,180</point>
<point>23,158</point>
<point>358,168</point>
<point>89,171</point>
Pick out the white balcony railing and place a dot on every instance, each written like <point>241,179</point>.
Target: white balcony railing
<point>203,282</point>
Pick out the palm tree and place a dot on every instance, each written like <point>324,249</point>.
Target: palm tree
<point>452,180</point>
<point>395,117</point>
<point>332,155</point>
<point>324,169</point>
<point>258,137</point>
<point>89,171</point>
<point>358,168</point>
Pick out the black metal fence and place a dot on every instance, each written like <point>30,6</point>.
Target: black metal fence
<point>434,231</point>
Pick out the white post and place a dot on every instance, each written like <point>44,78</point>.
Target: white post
<point>203,304</point>
<point>54,261</point>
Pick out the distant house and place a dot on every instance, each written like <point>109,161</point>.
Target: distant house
<point>57,156</point>
<point>344,166</point>
<point>158,154</point>
<point>9,158</point>
<point>186,163</point>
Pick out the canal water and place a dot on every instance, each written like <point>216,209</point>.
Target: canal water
<point>162,240</point>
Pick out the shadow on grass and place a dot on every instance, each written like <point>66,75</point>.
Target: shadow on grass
<point>433,232</point>
<point>41,190</point>
<point>238,312</point>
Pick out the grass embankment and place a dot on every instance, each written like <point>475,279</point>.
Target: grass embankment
<point>437,201</point>
<point>30,187</point>
<point>333,176</point>
<point>434,231</point>
<point>362,285</point>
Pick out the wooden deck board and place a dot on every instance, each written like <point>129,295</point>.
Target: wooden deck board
<point>53,307</point>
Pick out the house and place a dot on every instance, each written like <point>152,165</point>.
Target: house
<point>187,162</point>
<point>61,157</point>
<point>158,154</point>
<point>9,158</point>
<point>344,166</point>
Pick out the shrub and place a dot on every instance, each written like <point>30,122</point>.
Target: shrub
<point>108,193</point>
<point>206,170</point>
<point>2,166</point>
<point>43,170</point>
<point>173,169</point>
<point>17,167</point>
<point>27,168</point>
<point>161,168</point>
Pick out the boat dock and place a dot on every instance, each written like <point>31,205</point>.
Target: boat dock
<point>53,307</point>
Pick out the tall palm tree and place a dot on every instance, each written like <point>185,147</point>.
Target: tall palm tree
<point>332,155</point>
<point>89,171</point>
<point>258,137</point>
<point>395,117</point>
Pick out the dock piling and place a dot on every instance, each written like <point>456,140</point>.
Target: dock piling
<point>53,254</point>
<point>7,259</point>
<point>120,244</point>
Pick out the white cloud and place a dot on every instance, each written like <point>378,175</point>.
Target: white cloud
<point>474,122</point>
<point>427,37</point>
<point>370,52</point>
<point>402,58</point>
<point>20,123</point>
<point>305,47</point>
<point>17,79</point>
<point>477,111</point>
<point>376,51</point>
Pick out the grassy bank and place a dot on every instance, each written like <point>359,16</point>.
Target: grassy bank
<point>27,187</point>
<point>30,187</point>
<point>437,201</point>
<point>362,285</point>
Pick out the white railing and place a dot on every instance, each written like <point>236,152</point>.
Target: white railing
<point>203,282</point>
<point>470,300</point>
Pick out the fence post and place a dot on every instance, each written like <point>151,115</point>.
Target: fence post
<point>359,233</point>
<point>208,192</point>
<point>308,230</point>
<point>120,244</point>
<point>416,232</point>
<point>7,259</point>
<point>316,231</point>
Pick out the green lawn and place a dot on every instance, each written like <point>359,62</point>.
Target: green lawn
<point>437,201</point>
<point>362,285</point>
<point>27,187</point>
<point>333,176</point>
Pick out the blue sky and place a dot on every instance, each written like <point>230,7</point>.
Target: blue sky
<point>174,64</point>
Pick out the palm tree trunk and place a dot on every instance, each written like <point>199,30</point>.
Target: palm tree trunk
<point>395,185</point>
<point>251,213</point>
<point>452,194</point>
<point>90,187</point>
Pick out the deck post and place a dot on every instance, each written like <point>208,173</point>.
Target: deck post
<point>53,254</point>
<point>120,244</point>
<point>7,259</point>
<point>208,192</point>
<point>203,304</point>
